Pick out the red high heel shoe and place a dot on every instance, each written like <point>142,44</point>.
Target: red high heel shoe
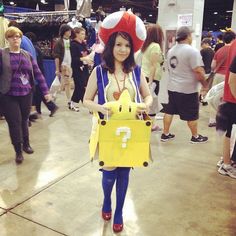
<point>106,215</point>
<point>117,228</point>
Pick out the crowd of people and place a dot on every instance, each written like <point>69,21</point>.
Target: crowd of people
<point>23,86</point>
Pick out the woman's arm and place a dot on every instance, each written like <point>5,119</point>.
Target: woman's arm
<point>213,65</point>
<point>90,93</point>
<point>40,79</point>
<point>232,83</point>
<point>57,50</point>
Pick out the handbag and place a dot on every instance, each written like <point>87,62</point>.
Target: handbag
<point>123,143</point>
<point>55,87</point>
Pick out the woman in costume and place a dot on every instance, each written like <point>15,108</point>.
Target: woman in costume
<point>117,72</point>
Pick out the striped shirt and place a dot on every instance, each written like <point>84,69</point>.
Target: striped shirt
<point>21,73</point>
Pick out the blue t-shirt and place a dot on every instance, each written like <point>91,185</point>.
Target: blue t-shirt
<point>28,46</point>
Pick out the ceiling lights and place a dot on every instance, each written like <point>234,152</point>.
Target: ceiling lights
<point>43,2</point>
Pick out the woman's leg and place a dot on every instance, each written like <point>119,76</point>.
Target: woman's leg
<point>108,180</point>
<point>82,84</point>
<point>11,110</point>
<point>65,81</point>
<point>25,105</point>
<point>233,156</point>
<point>37,99</point>
<point>154,107</point>
<point>121,189</point>
<point>75,96</point>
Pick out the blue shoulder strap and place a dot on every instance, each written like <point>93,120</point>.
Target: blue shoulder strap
<point>97,59</point>
<point>102,81</point>
<point>137,79</point>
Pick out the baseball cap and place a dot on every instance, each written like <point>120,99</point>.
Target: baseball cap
<point>183,32</point>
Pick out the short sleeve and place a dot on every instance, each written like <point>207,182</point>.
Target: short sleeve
<point>233,66</point>
<point>195,59</point>
<point>156,49</point>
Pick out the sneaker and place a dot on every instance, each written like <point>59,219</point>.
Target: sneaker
<point>204,103</point>
<point>69,105</point>
<point>213,124</point>
<point>33,116</point>
<point>73,108</point>
<point>199,139</point>
<point>165,138</point>
<point>227,170</point>
<point>220,162</point>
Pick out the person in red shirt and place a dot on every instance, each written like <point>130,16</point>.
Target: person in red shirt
<point>226,115</point>
<point>219,66</point>
<point>232,85</point>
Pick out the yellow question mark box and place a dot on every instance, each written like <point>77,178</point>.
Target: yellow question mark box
<point>123,143</point>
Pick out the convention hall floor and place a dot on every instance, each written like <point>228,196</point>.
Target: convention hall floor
<point>57,190</point>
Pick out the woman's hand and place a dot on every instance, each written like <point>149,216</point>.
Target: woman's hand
<point>57,73</point>
<point>141,108</point>
<point>48,97</point>
<point>204,91</point>
<point>105,110</point>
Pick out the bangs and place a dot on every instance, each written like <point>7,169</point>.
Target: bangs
<point>12,31</point>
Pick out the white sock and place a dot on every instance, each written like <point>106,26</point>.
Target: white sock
<point>226,165</point>
<point>212,120</point>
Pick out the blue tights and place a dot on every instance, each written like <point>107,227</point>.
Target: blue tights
<point>121,176</point>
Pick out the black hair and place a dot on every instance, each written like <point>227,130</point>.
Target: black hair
<point>228,36</point>
<point>108,57</point>
<point>206,41</point>
<point>32,36</point>
<point>220,36</point>
<point>63,29</point>
<point>13,23</point>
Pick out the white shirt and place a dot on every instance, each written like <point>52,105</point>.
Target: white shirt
<point>74,23</point>
<point>181,60</point>
<point>67,56</point>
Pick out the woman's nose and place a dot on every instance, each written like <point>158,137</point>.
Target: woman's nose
<point>123,48</point>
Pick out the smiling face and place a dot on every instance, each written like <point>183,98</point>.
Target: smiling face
<point>121,49</point>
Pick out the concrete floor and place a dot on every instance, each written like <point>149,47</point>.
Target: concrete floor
<point>57,190</point>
